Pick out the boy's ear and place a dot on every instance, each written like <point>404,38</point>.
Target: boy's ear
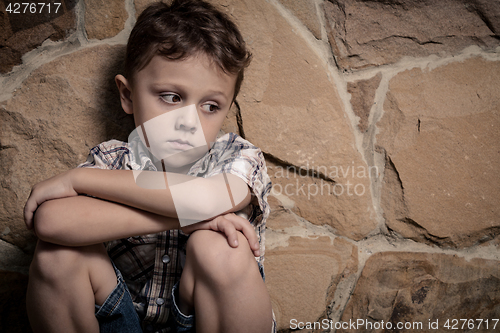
<point>125,93</point>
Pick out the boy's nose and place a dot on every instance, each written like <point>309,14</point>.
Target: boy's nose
<point>188,119</point>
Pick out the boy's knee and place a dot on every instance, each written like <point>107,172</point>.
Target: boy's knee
<point>212,256</point>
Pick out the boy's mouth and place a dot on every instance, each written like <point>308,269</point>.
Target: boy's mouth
<point>180,144</point>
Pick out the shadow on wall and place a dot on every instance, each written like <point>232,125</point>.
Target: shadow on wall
<point>117,124</point>
<point>55,132</point>
<point>13,317</point>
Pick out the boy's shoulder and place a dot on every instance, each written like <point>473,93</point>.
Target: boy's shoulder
<point>233,142</point>
<point>116,154</point>
<point>233,154</point>
<point>107,155</point>
<point>230,150</point>
<point>112,147</point>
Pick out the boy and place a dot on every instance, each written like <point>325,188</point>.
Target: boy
<point>183,70</point>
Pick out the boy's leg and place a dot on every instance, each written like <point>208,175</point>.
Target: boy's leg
<point>64,285</point>
<point>224,286</point>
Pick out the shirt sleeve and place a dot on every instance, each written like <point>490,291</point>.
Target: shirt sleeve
<point>246,161</point>
<point>107,155</point>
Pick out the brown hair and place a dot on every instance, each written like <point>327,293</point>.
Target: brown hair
<point>182,29</point>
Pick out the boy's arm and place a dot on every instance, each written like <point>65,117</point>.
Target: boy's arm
<point>164,193</point>
<point>81,220</point>
<point>208,197</point>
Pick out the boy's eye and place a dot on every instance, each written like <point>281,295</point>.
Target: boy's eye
<point>210,108</point>
<point>171,98</point>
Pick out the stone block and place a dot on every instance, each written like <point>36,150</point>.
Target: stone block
<point>21,32</point>
<point>104,19</point>
<point>140,5</point>
<point>302,276</point>
<point>362,98</point>
<point>366,33</point>
<point>340,202</point>
<point>280,219</point>
<point>307,13</point>
<point>62,109</point>
<point>418,289</point>
<point>440,133</point>
<point>13,259</point>
<point>292,111</point>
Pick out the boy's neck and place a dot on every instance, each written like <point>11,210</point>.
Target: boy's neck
<point>160,166</point>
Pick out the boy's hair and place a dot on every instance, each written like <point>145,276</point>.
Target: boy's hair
<point>182,29</point>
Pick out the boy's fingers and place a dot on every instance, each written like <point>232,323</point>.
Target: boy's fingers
<point>248,231</point>
<point>28,215</point>
<point>227,227</point>
<point>27,221</point>
<point>252,240</point>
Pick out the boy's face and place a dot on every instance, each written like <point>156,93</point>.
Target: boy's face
<point>178,107</point>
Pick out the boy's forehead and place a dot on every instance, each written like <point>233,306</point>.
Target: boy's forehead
<point>160,63</point>
<point>192,69</point>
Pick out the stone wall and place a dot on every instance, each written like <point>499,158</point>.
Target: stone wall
<point>380,123</point>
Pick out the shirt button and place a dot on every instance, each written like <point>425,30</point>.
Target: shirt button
<point>165,259</point>
<point>160,301</point>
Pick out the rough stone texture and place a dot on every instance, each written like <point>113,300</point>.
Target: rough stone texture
<point>140,5</point>
<point>104,19</point>
<point>443,149</point>
<point>21,33</point>
<point>307,13</point>
<point>281,216</point>
<point>302,276</point>
<point>362,98</point>
<point>323,262</point>
<point>366,33</point>
<point>341,201</point>
<point>418,287</point>
<point>51,122</point>
<point>283,114</point>
<point>280,92</point>
<point>13,258</point>
<point>430,133</point>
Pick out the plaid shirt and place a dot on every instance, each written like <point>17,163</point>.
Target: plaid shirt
<point>152,264</point>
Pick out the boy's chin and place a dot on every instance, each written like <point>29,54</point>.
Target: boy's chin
<point>183,159</point>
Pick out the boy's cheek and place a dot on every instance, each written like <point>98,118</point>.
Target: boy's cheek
<point>211,129</point>
<point>181,124</point>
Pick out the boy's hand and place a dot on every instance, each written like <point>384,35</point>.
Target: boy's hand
<point>59,186</point>
<point>229,225</point>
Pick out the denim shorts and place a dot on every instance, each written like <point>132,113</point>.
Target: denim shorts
<point>117,314</point>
